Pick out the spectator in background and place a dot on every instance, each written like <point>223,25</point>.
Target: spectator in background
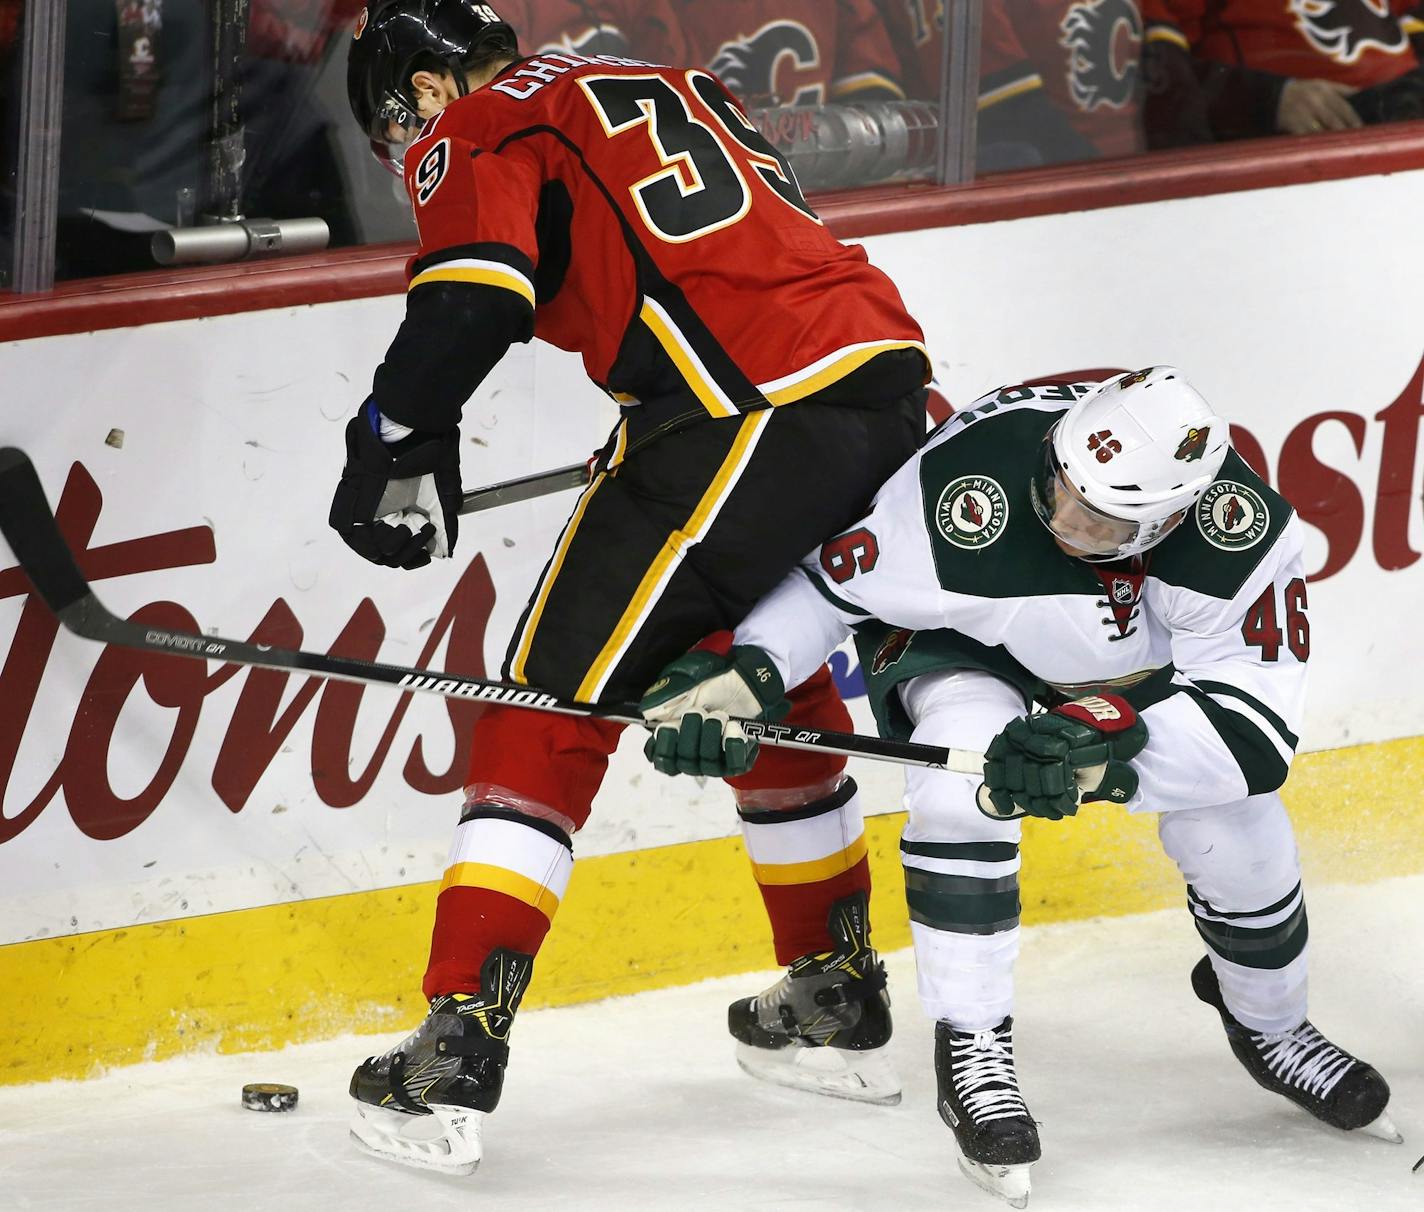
<point>793,52</point>
<point>1059,80</point>
<point>138,88</point>
<point>137,84</point>
<point>293,167</point>
<point>1231,69</point>
<point>640,29</point>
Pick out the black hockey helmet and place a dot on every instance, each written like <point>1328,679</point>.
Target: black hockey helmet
<point>394,39</point>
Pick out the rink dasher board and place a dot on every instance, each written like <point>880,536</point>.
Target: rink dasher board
<point>233,425</point>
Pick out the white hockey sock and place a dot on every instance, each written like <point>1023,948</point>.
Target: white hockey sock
<point>966,979</point>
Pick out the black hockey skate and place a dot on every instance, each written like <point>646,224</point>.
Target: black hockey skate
<point>1307,1068</point>
<point>823,1026</point>
<point>424,1101</point>
<point>979,1099</point>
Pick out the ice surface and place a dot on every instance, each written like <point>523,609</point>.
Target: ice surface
<point>636,1103</point>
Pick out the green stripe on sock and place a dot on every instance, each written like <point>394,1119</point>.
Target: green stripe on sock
<point>976,852</point>
<point>961,904</point>
<point>1273,947</point>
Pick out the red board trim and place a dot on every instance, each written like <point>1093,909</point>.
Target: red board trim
<point>150,298</point>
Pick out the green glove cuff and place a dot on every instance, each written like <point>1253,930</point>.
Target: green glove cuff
<point>762,677</point>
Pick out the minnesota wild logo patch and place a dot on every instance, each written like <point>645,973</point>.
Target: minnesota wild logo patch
<point>891,649</point>
<point>1193,446</point>
<point>1232,516</point>
<point>972,512</point>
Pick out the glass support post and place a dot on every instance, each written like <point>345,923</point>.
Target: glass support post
<point>37,154</point>
<point>959,98</point>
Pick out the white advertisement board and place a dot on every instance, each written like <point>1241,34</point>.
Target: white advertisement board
<point>191,465</point>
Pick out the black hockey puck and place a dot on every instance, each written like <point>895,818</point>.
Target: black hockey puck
<point>267,1096</point>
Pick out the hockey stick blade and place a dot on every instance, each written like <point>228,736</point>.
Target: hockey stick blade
<point>30,528</point>
<point>28,525</point>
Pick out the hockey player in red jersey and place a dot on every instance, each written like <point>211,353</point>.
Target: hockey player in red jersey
<point>769,380</point>
<point>793,52</point>
<point>1258,67</point>
<point>647,29</point>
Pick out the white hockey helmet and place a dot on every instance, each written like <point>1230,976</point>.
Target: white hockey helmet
<point>1124,463</point>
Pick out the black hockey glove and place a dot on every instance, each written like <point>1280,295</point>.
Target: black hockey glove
<point>398,504</point>
<point>689,705</point>
<point>1046,765</point>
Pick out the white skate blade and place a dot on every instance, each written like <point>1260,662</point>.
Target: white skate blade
<point>1383,1127</point>
<point>862,1077</point>
<point>447,1140</point>
<point>1009,1183</point>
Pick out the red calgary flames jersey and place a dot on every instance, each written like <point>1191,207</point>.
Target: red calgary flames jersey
<point>1355,42</point>
<point>657,232</point>
<point>793,52</point>
<point>1084,54</point>
<point>646,29</point>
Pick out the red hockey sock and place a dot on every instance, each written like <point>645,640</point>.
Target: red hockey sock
<point>804,861</point>
<point>506,875</point>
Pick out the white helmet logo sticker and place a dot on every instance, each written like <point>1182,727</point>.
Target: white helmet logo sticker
<point>972,512</point>
<point>1232,516</point>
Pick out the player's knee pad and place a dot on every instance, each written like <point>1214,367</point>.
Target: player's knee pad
<point>1239,857</point>
<point>961,868</point>
<point>815,703</point>
<point>1246,899</point>
<point>557,761</point>
<point>963,710</point>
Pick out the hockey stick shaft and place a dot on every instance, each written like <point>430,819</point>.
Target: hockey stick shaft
<point>29,526</point>
<point>526,488</point>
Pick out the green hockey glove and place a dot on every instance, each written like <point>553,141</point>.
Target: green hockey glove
<point>1027,775</point>
<point>689,706</point>
<point>1103,733</point>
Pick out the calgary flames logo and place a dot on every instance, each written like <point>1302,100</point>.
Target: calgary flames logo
<point>1193,446</point>
<point>752,67</point>
<point>1103,39</point>
<point>1343,30</point>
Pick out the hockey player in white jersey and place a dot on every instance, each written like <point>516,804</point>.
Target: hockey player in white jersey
<point>1100,550</point>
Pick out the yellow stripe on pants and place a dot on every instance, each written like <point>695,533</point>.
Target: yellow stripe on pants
<point>664,564</point>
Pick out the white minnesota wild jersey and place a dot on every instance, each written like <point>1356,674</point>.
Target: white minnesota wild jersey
<point>1206,634</point>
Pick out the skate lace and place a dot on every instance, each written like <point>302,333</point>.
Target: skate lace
<point>984,1076</point>
<point>1305,1059</point>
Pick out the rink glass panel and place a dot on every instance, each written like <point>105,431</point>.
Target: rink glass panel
<point>10,21</point>
<point>1064,82</point>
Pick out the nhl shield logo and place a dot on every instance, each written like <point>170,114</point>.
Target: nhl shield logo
<point>972,512</point>
<point>1232,516</point>
<point>1123,592</point>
